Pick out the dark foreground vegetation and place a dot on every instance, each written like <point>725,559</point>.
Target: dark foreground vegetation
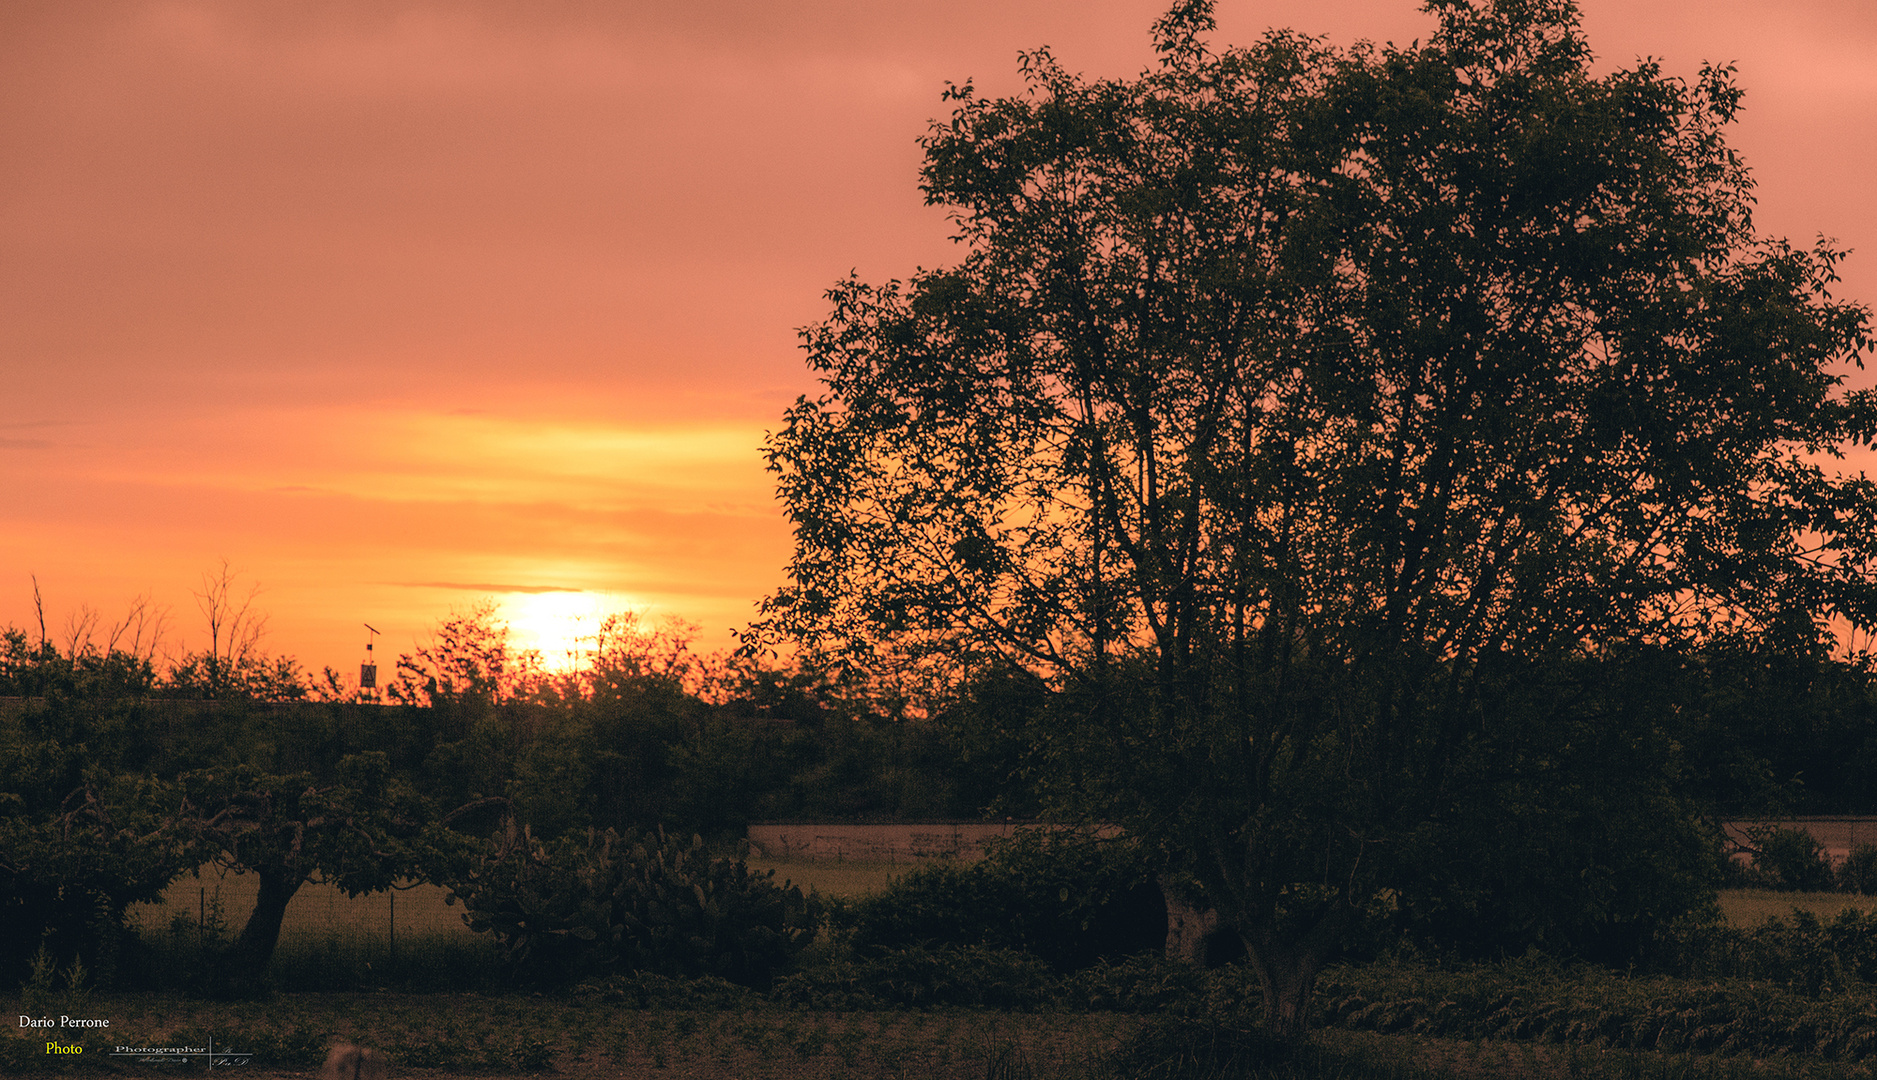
<point>996,1015</point>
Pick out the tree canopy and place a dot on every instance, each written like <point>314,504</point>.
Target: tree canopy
<point>1341,435</point>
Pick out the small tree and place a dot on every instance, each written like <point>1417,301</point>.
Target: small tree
<point>1333,432</point>
<point>470,663</point>
<point>361,829</point>
<point>233,666</point>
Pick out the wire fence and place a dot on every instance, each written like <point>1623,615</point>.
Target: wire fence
<point>218,900</point>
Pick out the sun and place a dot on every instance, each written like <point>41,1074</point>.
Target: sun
<point>559,625</point>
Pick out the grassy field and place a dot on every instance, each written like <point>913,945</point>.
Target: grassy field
<point>844,879</point>
<point>1752,907</point>
<point>316,910</point>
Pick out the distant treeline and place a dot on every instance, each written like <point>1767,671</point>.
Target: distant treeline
<point>649,733</point>
<point>645,733</point>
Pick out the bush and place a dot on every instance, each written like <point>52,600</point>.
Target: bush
<point>1788,859</point>
<point>1805,954</point>
<point>592,906</point>
<point>78,843</point>
<point>915,976</point>
<point>1069,899</point>
<point>1859,872</point>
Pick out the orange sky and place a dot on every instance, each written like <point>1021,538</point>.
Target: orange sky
<point>396,304</point>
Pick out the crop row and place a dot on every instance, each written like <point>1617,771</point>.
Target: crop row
<point>1605,1009</point>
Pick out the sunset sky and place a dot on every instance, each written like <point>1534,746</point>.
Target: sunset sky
<point>396,305</point>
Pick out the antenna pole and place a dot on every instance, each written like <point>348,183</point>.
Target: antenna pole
<point>368,669</point>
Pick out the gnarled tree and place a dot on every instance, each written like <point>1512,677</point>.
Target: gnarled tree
<point>361,829</point>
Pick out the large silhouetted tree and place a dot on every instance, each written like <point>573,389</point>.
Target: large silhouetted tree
<point>1337,433</point>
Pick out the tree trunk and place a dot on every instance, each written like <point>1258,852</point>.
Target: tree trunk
<point>1288,975</point>
<point>243,967</point>
<point>1187,926</point>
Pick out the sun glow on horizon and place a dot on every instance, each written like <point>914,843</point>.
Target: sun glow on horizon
<point>559,625</point>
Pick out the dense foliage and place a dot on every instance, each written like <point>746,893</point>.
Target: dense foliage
<point>112,785</point>
<point>1341,437</point>
<point>605,904</point>
<point>1067,899</point>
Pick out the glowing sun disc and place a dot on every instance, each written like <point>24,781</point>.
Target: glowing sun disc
<point>558,625</point>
